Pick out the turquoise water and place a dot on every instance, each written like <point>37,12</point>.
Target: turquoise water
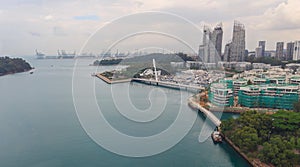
<point>39,126</point>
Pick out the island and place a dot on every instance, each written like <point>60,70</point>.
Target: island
<point>13,65</point>
<point>107,62</point>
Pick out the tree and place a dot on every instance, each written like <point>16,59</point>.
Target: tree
<point>249,82</point>
<point>297,106</point>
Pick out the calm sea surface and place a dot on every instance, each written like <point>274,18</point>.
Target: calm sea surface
<point>39,126</point>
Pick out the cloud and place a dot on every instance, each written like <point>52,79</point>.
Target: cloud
<point>48,17</point>
<point>285,16</point>
<point>56,22</point>
<point>59,31</point>
<point>35,34</point>
<point>87,17</point>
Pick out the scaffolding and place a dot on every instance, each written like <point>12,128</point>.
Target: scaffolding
<point>221,94</point>
<point>269,96</point>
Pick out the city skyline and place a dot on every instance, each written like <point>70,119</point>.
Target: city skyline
<point>51,25</point>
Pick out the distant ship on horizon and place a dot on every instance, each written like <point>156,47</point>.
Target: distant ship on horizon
<point>61,54</point>
<point>64,55</point>
<point>39,55</point>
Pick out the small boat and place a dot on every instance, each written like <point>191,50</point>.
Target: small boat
<point>216,137</point>
<point>31,72</point>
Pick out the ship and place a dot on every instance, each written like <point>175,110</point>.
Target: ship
<point>64,55</point>
<point>216,137</point>
<point>39,55</point>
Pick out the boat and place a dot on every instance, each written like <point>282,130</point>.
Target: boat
<point>216,137</point>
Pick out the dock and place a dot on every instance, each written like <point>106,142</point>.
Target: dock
<point>108,81</point>
<point>172,85</point>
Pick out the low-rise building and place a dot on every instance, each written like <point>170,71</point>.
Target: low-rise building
<point>269,96</point>
<point>220,95</point>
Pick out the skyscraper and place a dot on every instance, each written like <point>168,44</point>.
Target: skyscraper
<point>211,49</point>
<point>296,54</point>
<point>236,49</point>
<point>204,48</point>
<point>217,38</point>
<point>289,50</point>
<point>227,52</point>
<point>262,44</point>
<point>279,51</point>
<point>259,51</point>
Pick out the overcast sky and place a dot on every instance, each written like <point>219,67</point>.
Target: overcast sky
<point>26,25</point>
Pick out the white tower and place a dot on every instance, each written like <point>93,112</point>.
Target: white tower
<point>155,72</point>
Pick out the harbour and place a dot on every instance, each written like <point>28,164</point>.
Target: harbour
<point>48,133</point>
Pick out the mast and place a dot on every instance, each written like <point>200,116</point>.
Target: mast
<point>155,72</point>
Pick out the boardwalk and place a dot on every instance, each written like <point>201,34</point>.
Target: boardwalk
<point>208,114</point>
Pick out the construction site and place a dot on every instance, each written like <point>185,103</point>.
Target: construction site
<point>269,96</point>
<point>237,93</point>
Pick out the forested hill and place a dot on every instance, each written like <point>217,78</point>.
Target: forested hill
<point>13,65</point>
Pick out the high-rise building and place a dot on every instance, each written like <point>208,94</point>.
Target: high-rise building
<point>279,51</point>
<point>204,48</point>
<point>227,52</point>
<point>217,38</point>
<point>235,50</point>
<point>259,51</point>
<point>296,54</point>
<point>262,44</point>
<point>289,50</point>
<point>211,49</point>
<point>238,42</point>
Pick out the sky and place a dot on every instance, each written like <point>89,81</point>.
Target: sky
<point>49,25</point>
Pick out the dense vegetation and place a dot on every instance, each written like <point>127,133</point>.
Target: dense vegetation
<point>13,65</point>
<point>106,62</point>
<point>159,58</point>
<point>135,65</point>
<point>274,139</point>
<point>269,60</point>
<point>266,60</point>
<point>185,57</point>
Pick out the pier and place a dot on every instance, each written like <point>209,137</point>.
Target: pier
<point>172,85</point>
<point>108,81</point>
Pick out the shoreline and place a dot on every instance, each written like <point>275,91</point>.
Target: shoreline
<point>237,149</point>
<point>243,155</point>
<point>109,81</point>
<point>11,73</point>
<point>214,109</point>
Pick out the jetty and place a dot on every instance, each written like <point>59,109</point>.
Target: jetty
<point>173,85</point>
<point>109,81</point>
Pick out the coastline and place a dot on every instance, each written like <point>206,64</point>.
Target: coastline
<point>237,149</point>
<point>191,102</point>
<point>243,155</point>
<point>11,73</point>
